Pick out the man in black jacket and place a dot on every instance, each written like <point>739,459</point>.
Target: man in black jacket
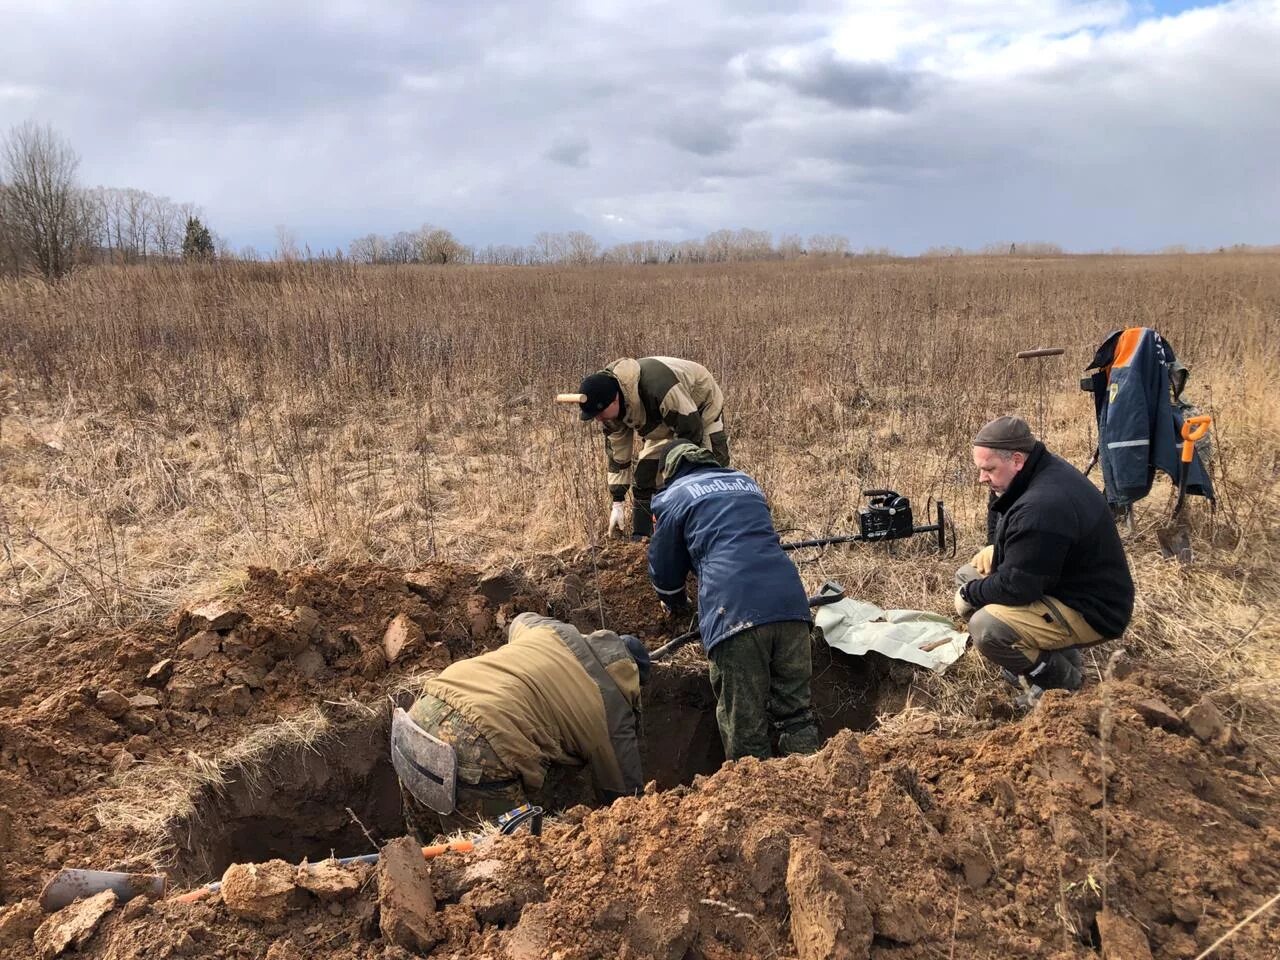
<point>1055,577</point>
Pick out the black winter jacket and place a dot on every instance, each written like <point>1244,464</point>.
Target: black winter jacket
<point>1055,537</point>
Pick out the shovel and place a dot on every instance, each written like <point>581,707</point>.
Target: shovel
<point>1175,536</point>
<point>830,592</point>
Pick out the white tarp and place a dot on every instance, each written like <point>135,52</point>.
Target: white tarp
<point>925,639</point>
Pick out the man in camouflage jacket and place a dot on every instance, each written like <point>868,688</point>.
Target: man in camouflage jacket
<point>656,399</point>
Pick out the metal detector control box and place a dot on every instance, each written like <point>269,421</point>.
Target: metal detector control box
<point>887,516</point>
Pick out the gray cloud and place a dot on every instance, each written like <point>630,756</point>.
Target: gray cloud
<point>705,134</point>
<point>857,86</point>
<point>1088,124</point>
<point>569,152</point>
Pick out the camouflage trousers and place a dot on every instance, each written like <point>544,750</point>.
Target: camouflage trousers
<point>486,787</point>
<point>761,682</point>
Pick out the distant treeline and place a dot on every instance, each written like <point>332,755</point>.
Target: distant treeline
<point>49,224</point>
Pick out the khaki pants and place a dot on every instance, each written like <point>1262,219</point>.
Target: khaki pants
<point>1015,637</point>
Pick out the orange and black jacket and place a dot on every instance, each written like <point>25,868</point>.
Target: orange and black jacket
<point>1135,381</point>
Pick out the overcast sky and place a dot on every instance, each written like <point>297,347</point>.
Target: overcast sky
<point>903,124</point>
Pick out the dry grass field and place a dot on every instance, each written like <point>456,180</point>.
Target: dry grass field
<point>166,427</point>
<point>313,437</point>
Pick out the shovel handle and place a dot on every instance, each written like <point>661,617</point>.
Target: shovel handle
<point>200,893</point>
<point>457,846</point>
<point>1193,429</point>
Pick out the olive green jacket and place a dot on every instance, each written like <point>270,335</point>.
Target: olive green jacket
<point>553,696</point>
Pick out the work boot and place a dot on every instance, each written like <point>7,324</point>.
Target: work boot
<point>641,520</point>
<point>1056,671</point>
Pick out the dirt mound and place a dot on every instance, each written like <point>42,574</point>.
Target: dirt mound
<point>1006,841</point>
<point>253,728</point>
<point>87,716</point>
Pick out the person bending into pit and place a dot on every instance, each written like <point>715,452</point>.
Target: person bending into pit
<point>752,610</point>
<point>515,717</point>
<point>1054,578</point>
<point>656,399</point>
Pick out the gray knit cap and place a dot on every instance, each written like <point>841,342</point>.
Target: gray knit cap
<point>1006,433</point>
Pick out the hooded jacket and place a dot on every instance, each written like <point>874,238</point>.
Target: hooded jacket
<point>1136,379</point>
<point>714,522</point>
<point>662,398</point>
<point>1055,537</point>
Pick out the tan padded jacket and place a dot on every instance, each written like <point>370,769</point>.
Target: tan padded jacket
<point>663,398</point>
<point>553,696</point>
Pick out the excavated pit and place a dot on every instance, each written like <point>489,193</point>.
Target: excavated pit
<point>294,797</point>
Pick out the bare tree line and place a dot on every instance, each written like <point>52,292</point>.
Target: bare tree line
<point>48,223</point>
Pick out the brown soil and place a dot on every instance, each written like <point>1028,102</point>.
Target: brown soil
<point>968,838</point>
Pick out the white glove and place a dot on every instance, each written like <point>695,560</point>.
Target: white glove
<point>617,516</point>
<point>963,610</point>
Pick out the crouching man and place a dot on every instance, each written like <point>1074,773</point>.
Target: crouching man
<point>1055,578</point>
<point>752,610</point>
<point>486,732</point>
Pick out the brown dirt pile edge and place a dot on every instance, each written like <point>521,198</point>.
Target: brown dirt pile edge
<point>965,838</point>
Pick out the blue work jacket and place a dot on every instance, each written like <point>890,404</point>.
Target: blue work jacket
<point>714,522</point>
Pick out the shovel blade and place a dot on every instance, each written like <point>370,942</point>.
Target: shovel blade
<point>1175,543</point>
<point>68,885</point>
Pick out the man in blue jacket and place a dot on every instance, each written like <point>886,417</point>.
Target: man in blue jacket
<point>752,610</point>
<point>1055,577</point>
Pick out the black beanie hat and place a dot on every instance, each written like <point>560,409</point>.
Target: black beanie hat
<point>600,389</point>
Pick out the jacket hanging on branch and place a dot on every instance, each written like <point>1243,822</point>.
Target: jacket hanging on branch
<point>1137,382</point>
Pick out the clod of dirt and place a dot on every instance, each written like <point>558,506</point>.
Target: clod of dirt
<point>19,922</point>
<point>1122,939</point>
<point>829,918</point>
<point>258,891</point>
<point>1205,721</point>
<point>234,701</point>
<point>73,926</point>
<point>330,881</point>
<point>844,765</point>
<point>529,939</point>
<point>766,850</point>
<point>200,645</point>
<point>112,703</point>
<point>500,586</point>
<point>284,950</point>
<point>500,900</point>
<point>1158,713</point>
<point>402,635</point>
<point>408,910</point>
<point>663,934</point>
<point>159,674</point>
<point>895,915</point>
<point>216,615</point>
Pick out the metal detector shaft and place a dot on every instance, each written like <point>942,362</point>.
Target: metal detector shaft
<point>831,592</point>
<point>939,527</point>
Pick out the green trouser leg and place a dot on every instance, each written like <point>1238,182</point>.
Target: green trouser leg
<point>761,679</point>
